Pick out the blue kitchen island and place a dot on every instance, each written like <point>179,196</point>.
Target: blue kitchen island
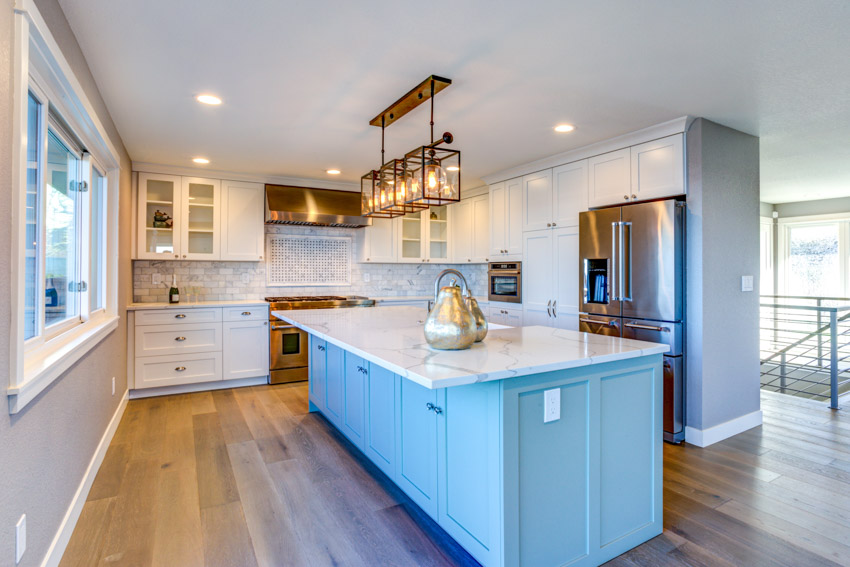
<point>537,447</point>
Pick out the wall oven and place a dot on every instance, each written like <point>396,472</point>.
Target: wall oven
<point>504,282</point>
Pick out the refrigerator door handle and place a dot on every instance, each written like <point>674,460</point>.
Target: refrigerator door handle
<point>610,323</point>
<point>613,274</point>
<point>625,261</point>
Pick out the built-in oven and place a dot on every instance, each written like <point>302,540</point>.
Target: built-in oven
<point>504,281</point>
<point>289,353</point>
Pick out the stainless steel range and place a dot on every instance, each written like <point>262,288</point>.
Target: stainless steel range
<point>289,350</point>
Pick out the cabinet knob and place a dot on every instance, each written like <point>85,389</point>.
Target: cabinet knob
<point>548,224</point>
<point>553,224</point>
<point>180,339</point>
<point>176,255</point>
<point>180,368</point>
<point>634,196</point>
<point>261,257</point>
<point>184,255</point>
<point>469,259</point>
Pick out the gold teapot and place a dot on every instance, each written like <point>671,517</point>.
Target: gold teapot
<point>454,323</point>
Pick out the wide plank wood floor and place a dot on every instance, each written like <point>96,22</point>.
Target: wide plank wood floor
<point>248,477</point>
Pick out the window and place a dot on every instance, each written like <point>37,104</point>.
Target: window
<point>813,258</point>
<point>63,224</point>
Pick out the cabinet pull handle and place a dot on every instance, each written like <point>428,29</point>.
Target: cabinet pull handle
<point>180,316</point>
<point>320,347</point>
<point>430,406</point>
<point>246,313</point>
<point>180,368</point>
<point>554,310</point>
<point>181,339</point>
<point>553,224</point>
<point>549,308</point>
<point>634,196</point>
<point>626,197</point>
<point>438,410</point>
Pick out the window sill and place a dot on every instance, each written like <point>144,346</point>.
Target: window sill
<point>44,366</point>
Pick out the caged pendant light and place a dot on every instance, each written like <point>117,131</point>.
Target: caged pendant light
<point>428,175</point>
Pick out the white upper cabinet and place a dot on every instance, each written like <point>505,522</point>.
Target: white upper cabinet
<point>242,221</point>
<point>470,230</point>
<point>506,214</point>
<point>658,168</point>
<point>610,178</point>
<point>537,200</point>
<point>158,216</point>
<point>194,218</point>
<point>377,243</point>
<point>436,221</point>
<point>569,193</point>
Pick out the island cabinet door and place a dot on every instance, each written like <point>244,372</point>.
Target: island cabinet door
<point>318,373</point>
<point>381,418</point>
<point>469,468</point>
<point>354,399</point>
<point>335,385</point>
<point>416,461</point>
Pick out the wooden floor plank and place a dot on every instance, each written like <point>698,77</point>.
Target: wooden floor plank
<point>216,484</point>
<point>262,426</point>
<point>86,545</point>
<point>108,481</point>
<point>227,542</point>
<point>230,416</point>
<point>202,402</point>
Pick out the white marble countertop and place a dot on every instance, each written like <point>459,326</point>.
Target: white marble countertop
<point>393,298</point>
<point>393,337</point>
<point>194,305</point>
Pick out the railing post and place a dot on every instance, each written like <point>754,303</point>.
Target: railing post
<point>833,359</point>
<point>782,374</point>
<point>820,336</point>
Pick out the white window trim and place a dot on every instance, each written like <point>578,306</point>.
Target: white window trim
<point>783,242</point>
<point>38,55</point>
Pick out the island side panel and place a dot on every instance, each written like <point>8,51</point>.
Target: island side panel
<point>558,501</point>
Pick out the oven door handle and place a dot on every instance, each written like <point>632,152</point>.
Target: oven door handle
<point>283,327</point>
<point>504,273</point>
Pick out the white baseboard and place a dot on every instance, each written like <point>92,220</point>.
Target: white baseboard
<point>200,387</point>
<point>69,522</point>
<point>706,437</point>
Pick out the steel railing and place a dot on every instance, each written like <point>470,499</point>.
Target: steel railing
<point>805,346</point>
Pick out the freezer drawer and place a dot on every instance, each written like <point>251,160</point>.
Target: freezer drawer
<point>599,325</point>
<point>669,334</point>
<point>674,406</point>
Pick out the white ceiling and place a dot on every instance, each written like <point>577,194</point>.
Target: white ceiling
<point>301,79</point>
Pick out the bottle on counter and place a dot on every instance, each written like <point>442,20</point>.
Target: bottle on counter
<point>174,293</point>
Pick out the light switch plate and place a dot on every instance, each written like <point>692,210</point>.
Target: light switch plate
<point>746,283</point>
<point>20,538</point>
<point>551,405</point>
<point>367,277</point>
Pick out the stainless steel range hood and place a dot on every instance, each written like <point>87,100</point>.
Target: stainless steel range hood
<point>286,204</point>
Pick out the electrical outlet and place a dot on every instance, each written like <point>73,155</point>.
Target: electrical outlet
<point>246,277</point>
<point>367,277</point>
<point>113,385</point>
<point>746,283</point>
<point>551,405</point>
<point>156,279</point>
<point>20,538</point>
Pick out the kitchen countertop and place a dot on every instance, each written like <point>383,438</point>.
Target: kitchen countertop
<point>193,305</point>
<point>393,337</point>
<point>390,299</point>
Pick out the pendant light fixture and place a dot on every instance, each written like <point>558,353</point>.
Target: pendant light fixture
<point>428,175</point>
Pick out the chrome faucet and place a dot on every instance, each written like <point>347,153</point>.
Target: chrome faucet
<point>444,273</point>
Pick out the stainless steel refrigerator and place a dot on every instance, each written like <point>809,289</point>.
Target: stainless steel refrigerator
<point>632,285</point>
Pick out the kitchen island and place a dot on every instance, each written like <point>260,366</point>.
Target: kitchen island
<point>465,434</point>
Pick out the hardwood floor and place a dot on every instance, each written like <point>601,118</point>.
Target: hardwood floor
<point>247,477</point>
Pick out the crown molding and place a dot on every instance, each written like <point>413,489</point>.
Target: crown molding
<point>237,176</point>
<point>655,132</point>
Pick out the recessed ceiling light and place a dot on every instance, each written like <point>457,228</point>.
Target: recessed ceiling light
<point>564,128</point>
<point>453,168</point>
<point>201,160</point>
<point>333,172</point>
<point>208,99</point>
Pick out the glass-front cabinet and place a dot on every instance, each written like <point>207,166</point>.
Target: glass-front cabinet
<point>159,207</point>
<point>178,218</point>
<point>200,229</point>
<point>424,236</point>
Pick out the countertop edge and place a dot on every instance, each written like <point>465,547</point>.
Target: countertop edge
<point>476,378</point>
<point>200,305</point>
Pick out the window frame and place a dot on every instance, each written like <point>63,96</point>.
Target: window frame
<point>785,225</point>
<point>39,66</point>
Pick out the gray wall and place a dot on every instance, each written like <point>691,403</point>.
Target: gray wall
<point>820,207</point>
<point>45,449</point>
<point>723,245</point>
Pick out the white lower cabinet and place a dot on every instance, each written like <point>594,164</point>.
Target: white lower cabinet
<point>505,314</point>
<point>177,346</point>
<point>247,349</point>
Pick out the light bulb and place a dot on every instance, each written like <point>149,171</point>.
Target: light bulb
<point>435,177</point>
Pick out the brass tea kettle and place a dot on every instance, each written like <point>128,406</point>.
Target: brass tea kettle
<point>454,323</point>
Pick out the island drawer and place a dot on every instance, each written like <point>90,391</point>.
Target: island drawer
<point>177,316</point>
<point>246,313</point>
<point>174,339</point>
<point>157,371</point>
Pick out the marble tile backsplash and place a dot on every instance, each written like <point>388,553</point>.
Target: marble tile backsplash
<point>247,280</point>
